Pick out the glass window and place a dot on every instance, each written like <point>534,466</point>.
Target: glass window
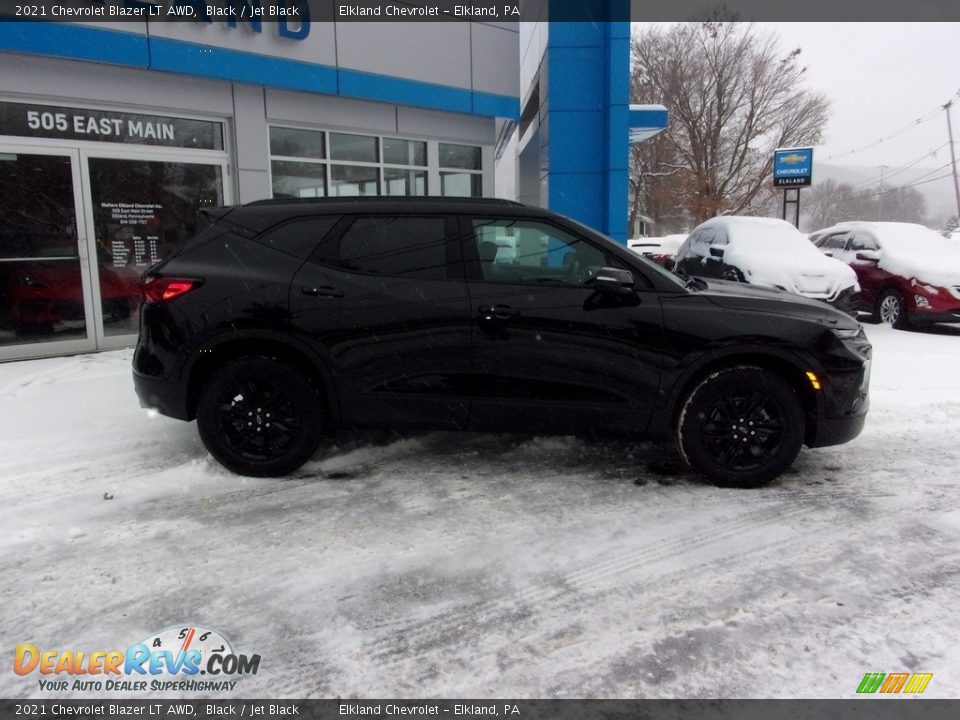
<point>41,289</point>
<point>461,184</point>
<point>299,237</point>
<point>143,211</point>
<point>466,157</point>
<point>352,180</point>
<point>297,143</point>
<point>412,247</point>
<point>404,182</point>
<point>358,148</point>
<point>298,179</point>
<point>863,241</point>
<point>523,251</point>
<point>404,152</point>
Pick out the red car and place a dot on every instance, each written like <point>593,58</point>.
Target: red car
<point>908,274</point>
<point>43,294</point>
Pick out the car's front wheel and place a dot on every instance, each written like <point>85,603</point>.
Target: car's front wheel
<point>259,417</point>
<point>892,309</point>
<point>741,427</point>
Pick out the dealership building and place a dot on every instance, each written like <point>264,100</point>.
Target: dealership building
<point>114,134</point>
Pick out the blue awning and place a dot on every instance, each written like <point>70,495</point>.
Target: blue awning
<point>646,121</point>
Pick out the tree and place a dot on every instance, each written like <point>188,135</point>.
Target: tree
<point>733,98</point>
<point>831,202</point>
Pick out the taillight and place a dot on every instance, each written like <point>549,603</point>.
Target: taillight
<point>161,289</point>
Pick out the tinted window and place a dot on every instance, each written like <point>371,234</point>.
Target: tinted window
<point>299,237</point>
<point>296,143</point>
<point>523,251</point>
<point>397,246</point>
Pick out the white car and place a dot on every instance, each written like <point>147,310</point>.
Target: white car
<point>766,252</point>
<point>662,250</point>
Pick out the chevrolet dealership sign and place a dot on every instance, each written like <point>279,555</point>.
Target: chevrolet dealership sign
<point>793,167</point>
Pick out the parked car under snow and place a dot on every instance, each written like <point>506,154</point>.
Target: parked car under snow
<point>766,252</point>
<point>908,273</point>
<point>662,250</point>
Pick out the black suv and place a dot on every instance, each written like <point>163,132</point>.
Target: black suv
<point>285,320</point>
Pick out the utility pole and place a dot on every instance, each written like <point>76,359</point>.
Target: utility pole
<point>953,156</point>
<point>880,195</point>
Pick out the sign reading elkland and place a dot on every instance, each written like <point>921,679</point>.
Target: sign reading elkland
<point>793,167</point>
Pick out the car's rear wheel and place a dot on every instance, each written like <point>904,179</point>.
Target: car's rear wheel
<point>892,309</point>
<point>260,417</point>
<point>741,427</point>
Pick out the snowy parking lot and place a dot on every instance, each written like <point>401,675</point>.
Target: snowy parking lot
<point>448,565</point>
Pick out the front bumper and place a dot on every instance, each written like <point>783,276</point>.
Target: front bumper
<point>919,317</point>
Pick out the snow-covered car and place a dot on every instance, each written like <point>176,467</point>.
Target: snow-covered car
<point>908,273</point>
<point>662,250</point>
<point>766,252</point>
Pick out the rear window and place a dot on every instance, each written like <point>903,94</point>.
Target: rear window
<point>299,237</point>
<point>413,247</point>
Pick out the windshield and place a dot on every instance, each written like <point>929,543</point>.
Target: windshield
<point>909,239</point>
<point>770,237</point>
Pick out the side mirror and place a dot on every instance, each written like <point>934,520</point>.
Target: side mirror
<point>828,253</point>
<point>868,255</point>
<point>614,280</point>
<point>716,251</point>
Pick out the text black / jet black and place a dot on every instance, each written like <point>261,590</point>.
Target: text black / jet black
<point>287,319</point>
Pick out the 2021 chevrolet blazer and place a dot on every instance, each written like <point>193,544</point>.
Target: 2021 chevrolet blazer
<point>286,320</point>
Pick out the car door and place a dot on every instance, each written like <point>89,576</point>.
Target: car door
<point>551,354</point>
<point>384,297</point>
<point>871,277</point>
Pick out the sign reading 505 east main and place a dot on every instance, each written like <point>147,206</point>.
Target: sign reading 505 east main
<point>793,167</point>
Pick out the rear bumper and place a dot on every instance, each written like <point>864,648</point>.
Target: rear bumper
<point>160,395</point>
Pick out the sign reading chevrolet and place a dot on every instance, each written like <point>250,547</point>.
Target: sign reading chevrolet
<point>793,167</point>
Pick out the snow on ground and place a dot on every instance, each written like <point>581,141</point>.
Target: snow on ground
<point>452,565</point>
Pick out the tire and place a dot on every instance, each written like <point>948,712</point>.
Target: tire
<point>892,310</point>
<point>733,275</point>
<point>741,427</point>
<point>260,417</point>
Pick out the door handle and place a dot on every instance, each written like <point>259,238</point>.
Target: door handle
<point>324,291</point>
<point>497,312</point>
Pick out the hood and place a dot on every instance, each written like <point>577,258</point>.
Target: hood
<point>741,296</point>
<point>816,275</point>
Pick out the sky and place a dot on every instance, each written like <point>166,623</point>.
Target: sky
<point>880,77</point>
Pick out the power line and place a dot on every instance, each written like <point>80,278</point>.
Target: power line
<point>913,184</point>
<point>897,170</point>
<point>906,128</point>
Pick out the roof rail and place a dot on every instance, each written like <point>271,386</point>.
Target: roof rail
<point>399,199</point>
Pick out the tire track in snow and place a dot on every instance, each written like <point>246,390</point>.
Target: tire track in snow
<point>434,631</point>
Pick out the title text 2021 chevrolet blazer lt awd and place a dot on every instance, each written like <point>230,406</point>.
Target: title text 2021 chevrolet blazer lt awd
<point>285,320</point>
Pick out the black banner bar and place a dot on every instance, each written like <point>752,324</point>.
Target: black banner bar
<point>293,12</point>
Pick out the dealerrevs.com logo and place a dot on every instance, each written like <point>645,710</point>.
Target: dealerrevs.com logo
<point>187,658</point>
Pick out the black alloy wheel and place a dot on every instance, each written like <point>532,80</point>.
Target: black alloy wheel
<point>741,427</point>
<point>259,417</point>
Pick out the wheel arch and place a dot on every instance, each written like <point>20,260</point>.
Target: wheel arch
<point>226,348</point>
<point>782,364</point>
